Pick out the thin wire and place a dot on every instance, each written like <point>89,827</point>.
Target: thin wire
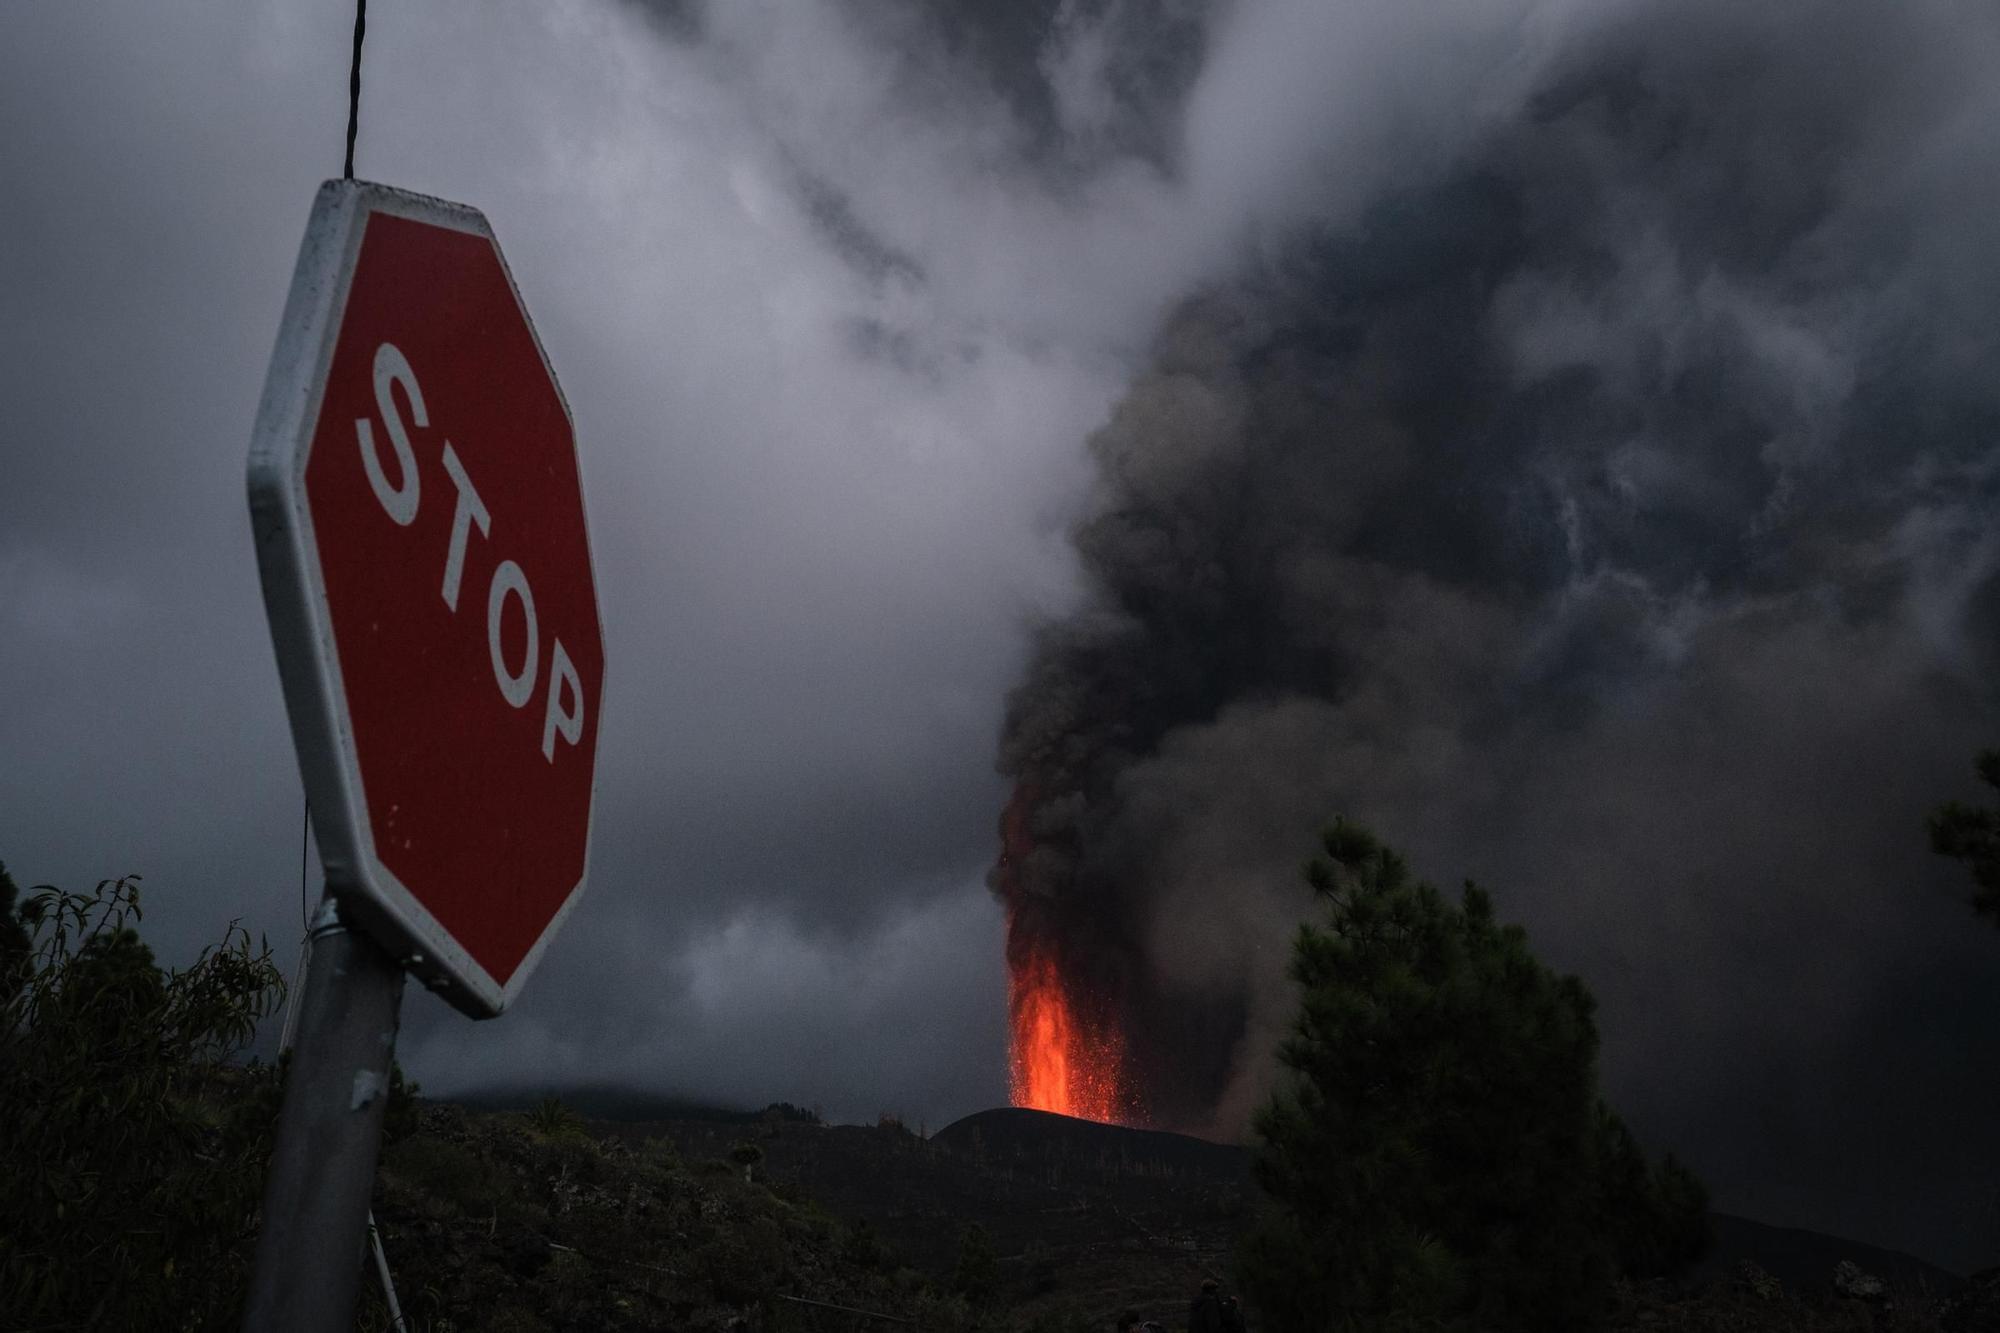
<point>305,838</point>
<point>354,86</point>
<point>305,939</point>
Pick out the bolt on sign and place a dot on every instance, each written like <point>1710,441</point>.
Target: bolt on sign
<point>420,533</point>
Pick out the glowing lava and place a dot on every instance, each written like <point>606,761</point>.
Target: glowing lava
<point>1067,1055</point>
<point>1057,1064</point>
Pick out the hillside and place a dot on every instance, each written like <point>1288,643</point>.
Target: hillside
<point>521,1222</point>
<point>542,1220</point>
<point>1085,1218</point>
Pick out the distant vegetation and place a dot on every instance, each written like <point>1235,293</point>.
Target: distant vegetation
<point>612,1101</point>
<point>1439,1156</point>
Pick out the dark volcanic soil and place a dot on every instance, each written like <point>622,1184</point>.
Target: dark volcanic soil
<point>1080,1214</point>
<point>1095,1217</point>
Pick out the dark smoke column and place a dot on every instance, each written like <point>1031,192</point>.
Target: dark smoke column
<point>1514,515</point>
<point>1102,691</point>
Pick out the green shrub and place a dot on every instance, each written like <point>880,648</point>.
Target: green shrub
<point>135,1155</point>
<point>742,1264</point>
<point>862,1249</point>
<point>453,1174</point>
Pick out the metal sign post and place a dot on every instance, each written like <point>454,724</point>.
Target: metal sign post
<point>310,1249</point>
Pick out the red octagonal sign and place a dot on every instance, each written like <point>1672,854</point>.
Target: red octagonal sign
<point>426,565</point>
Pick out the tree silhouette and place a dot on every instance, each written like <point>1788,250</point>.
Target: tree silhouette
<point>1972,835</point>
<point>1438,1155</point>
<point>977,1272</point>
<point>746,1155</point>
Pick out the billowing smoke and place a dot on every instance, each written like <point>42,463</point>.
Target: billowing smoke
<point>1607,512</point>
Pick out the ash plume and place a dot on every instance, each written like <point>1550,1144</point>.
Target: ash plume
<point>1607,514</point>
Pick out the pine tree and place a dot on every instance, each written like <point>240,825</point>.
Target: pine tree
<point>1438,1152</point>
<point>1972,835</point>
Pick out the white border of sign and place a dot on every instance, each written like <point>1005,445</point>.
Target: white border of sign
<point>295,596</point>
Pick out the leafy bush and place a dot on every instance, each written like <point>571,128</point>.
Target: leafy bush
<point>399,1113</point>
<point>135,1154</point>
<point>863,1250</point>
<point>659,1151</point>
<point>1439,1156</point>
<point>553,1120</point>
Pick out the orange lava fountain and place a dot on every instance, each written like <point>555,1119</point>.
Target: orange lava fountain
<point>1057,1065</point>
<point>1065,1056</point>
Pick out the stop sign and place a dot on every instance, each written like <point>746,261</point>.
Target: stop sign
<point>426,566</point>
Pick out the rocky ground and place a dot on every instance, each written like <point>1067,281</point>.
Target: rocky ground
<point>1009,1220</point>
<point>1752,1301</point>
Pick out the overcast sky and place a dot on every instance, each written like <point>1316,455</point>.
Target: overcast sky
<point>838,292</point>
